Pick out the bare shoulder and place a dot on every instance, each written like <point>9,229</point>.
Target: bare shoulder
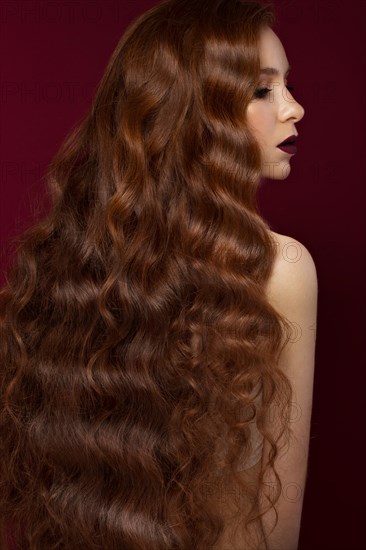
<point>292,290</point>
<point>293,283</point>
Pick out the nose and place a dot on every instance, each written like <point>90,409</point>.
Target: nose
<point>290,108</point>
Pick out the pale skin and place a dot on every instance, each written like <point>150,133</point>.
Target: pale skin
<point>272,118</point>
<point>292,289</point>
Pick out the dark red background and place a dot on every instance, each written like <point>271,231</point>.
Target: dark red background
<point>53,54</point>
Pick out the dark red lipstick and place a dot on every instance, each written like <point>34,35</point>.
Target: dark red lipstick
<point>289,145</point>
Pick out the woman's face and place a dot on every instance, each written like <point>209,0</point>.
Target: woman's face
<point>273,116</point>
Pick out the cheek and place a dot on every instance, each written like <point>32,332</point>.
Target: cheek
<point>259,120</point>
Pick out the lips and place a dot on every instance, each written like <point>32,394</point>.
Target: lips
<point>291,140</point>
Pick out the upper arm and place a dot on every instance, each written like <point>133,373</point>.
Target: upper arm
<point>293,291</point>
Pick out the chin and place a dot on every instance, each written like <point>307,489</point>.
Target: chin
<point>280,171</point>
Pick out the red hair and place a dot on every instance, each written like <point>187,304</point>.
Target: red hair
<point>138,349</point>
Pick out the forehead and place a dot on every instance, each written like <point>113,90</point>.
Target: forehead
<point>271,50</point>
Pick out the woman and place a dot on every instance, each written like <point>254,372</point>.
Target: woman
<point>153,395</point>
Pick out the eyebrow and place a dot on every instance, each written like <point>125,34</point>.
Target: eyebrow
<point>273,72</point>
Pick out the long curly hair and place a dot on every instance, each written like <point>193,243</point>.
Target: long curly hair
<point>138,350</point>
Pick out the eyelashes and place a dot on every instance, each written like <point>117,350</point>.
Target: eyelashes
<point>262,92</point>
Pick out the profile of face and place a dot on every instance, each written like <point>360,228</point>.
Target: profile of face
<point>273,111</point>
